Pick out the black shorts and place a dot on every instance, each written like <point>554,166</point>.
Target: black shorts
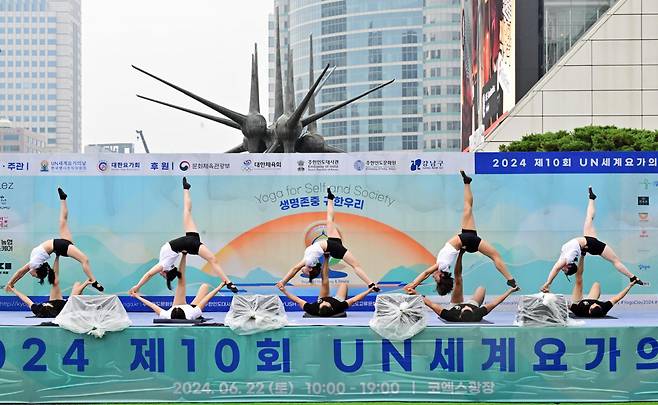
<point>189,243</point>
<point>335,248</point>
<point>470,240</point>
<point>48,311</point>
<point>61,246</point>
<point>594,246</point>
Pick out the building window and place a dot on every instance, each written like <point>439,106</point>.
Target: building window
<point>334,128</point>
<point>454,144</point>
<point>409,72</point>
<point>375,73</point>
<point>338,143</point>
<point>409,142</point>
<point>374,38</point>
<point>435,126</point>
<point>338,77</point>
<point>12,137</point>
<point>453,126</point>
<point>332,9</point>
<point>335,59</point>
<point>334,43</point>
<point>334,94</point>
<point>355,128</point>
<point>409,53</point>
<point>409,107</point>
<point>435,108</point>
<point>375,127</point>
<point>355,144</point>
<point>432,91</point>
<point>374,56</point>
<point>410,37</point>
<point>375,108</point>
<point>411,124</point>
<point>453,89</point>
<point>453,107</point>
<point>435,72</point>
<point>375,143</point>
<point>332,26</point>
<point>410,89</point>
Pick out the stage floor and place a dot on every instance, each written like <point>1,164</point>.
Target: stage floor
<point>496,319</point>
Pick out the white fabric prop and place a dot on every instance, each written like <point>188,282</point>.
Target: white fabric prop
<point>542,310</point>
<point>250,314</point>
<point>398,316</point>
<point>93,315</point>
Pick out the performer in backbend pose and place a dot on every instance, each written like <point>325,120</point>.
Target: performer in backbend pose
<point>573,249</point>
<point>310,265</point>
<point>326,305</point>
<point>591,307</point>
<point>467,240</point>
<point>180,309</point>
<point>55,303</point>
<point>190,244</point>
<point>466,311</point>
<point>38,265</point>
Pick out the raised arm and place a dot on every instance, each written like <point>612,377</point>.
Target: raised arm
<point>622,293</point>
<point>359,297</point>
<point>148,303</point>
<point>554,272</point>
<point>290,274</point>
<point>421,277</point>
<point>433,305</point>
<point>22,297</point>
<point>17,276</point>
<point>293,297</point>
<point>493,304</point>
<point>206,299</point>
<point>146,277</point>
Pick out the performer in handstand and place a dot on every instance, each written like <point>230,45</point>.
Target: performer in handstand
<point>591,307</point>
<point>461,310</point>
<point>311,266</point>
<point>180,309</point>
<point>55,303</point>
<point>573,249</point>
<point>326,305</point>
<point>467,240</point>
<point>189,244</point>
<point>38,266</point>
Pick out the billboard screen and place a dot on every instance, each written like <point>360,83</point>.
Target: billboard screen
<point>488,63</point>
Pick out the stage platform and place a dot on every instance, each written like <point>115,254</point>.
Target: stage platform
<point>615,319</point>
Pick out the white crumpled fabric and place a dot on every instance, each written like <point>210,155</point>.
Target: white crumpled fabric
<point>93,315</point>
<point>543,309</point>
<point>250,314</point>
<point>398,316</point>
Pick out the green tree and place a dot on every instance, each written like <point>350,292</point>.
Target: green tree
<point>591,138</point>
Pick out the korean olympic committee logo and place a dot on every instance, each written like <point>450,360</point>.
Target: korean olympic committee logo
<point>359,165</point>
<point>44,166</point>
<point>102,166</point>
<point>246,165</point>
<point>300,166</point>
<point>184,165</point>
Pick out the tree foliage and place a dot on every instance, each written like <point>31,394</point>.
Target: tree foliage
<point>590,138</point>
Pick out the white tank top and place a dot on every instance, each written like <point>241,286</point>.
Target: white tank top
<point>446,257</point>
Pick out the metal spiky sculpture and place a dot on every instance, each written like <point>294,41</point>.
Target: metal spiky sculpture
<point>284,135</point>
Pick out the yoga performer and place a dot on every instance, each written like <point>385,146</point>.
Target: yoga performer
<point>466,311</point>
<point>326,305</point>
<point>467,240</point>
<point>591,307</point>
<point>189,244</point>
<point>180,309</point>
<point>311,265</point>
<point>38,266</point>
<point>588,243</point>
<point>55,303</point>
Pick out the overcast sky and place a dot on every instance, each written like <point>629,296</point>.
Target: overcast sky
<point>201,45</point>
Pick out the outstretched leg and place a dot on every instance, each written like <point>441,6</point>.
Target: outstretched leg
<point>207,255</point>
<point>203,291</point>
<point>332,231</point>
<point>77,254</point>
<point>478,295</point>
<point>488,250</point>
<point>188,221</point>
<point>458,289</point>
<point>610,255</point>
<point>55,290</point>
<point>78,287</point>
<point>351,260</point>
<point>588,227</point>
<point>468,222</point>
<point>341,293</point>
<point>577,293</point>
<point>64,231</point>
<point>595,291</point>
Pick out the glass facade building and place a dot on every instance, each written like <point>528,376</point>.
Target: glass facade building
<point>415,42</point>
<point>564,22</point>
<point>40,69</point>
